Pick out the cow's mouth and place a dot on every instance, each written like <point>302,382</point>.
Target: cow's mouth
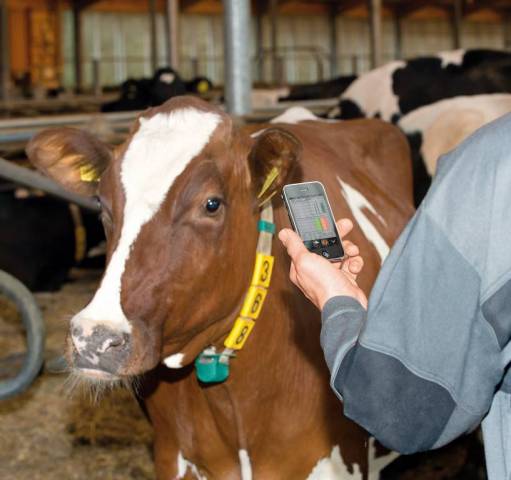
<point>94,374</point>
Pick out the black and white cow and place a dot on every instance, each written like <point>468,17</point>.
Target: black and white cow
<point>435,129</point>
<point>312,91</point>
<point>41,238</point>
<point>399,87</point>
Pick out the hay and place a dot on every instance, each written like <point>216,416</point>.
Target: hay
<point>116,420</point>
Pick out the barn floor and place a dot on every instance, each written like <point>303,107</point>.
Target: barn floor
<point>48,433</point>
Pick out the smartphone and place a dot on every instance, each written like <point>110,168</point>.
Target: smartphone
<point>311,217</point>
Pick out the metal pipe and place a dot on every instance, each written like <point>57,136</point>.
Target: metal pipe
<point>333,40</point>
<point>172,22</point>
<point>238,75</point>
<point>507,30</point>
<point>375,30</point>
<point>276,67</point>
<point>5,70</point>
<point>66,120</point>
<point>96,76</point>
<point>457,16</point>
<point>35,333</point>
<point>154,40</point>
<point>398,37</point>
<point>77,31</point>
<point>259,50</point>
<point>32,179</point>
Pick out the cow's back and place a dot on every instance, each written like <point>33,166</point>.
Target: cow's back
<point>366,169</point>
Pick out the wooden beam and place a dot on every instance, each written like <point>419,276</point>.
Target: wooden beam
<point>5,70</point>
<point>348,5</point>
<point>81,4</point>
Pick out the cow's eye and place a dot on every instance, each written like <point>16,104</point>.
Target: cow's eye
<point>213,204</point>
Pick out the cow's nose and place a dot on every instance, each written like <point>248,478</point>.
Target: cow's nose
<point>104,349</point>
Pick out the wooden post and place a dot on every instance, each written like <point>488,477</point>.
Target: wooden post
<point>398,36</point>
<point>457,16</point>
<point>5,65</point>
<point>77,30</point>
<point>333,40</point>
<point>154,40</point>
<point>375,32</point>
<point>172,22</point>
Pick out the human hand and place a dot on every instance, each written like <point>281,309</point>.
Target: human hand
<point>319,279</point>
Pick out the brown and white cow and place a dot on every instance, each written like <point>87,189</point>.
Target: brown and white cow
<point>180,213</point>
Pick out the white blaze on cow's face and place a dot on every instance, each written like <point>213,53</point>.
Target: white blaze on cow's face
<point>158,153</point>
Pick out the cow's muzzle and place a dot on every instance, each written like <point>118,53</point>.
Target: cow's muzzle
<point>103,350</point>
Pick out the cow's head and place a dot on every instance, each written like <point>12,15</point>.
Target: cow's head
<point>179,208</point>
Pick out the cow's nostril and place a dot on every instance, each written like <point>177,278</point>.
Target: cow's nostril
<point>116,342</point>
<point>111,344</point>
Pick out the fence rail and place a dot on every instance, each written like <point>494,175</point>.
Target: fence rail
<point>300,64</point>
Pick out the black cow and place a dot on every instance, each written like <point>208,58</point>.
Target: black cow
<point>312,91</point>
<point>40,240</point>
<point>150,92</point>
<point>399,87</point>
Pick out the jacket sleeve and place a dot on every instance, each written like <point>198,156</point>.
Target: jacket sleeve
<point>421,366</point>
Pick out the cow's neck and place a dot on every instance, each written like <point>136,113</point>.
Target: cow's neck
<point>213,366</point>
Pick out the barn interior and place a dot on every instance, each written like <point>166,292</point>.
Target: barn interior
<point>95,65</point>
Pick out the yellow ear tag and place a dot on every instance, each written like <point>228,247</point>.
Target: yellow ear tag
<point>203,86</point>
<point>270,178</point>
<point>88,173</point>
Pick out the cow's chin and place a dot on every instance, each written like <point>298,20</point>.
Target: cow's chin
<point>92,375</point>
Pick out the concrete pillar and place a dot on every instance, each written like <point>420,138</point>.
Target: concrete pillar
<point>333,40</point>
<point>238,77</point>
<point>172,23</point>
<point>153,33</point>
<point>457,17</point>
<point>77,33</point>
<point>375,32</point>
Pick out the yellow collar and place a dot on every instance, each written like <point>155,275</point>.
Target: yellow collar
<point>213,367</point>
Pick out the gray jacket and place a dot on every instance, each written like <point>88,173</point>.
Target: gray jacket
<point>429,359</point>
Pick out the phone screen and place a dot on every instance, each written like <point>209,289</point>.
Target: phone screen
<point>312,218</point>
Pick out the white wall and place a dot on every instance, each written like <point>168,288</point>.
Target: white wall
<point>122,43</point>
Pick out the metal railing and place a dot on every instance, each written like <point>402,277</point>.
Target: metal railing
<point>298,64</point>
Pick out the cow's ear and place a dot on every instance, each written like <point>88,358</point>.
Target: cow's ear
<point>273,157</point>
<point>74,158</point>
